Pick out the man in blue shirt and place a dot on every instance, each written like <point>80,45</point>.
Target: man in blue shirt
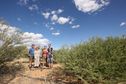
<point>31,55</point>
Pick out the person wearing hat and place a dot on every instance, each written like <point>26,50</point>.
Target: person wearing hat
<point>31,55</point>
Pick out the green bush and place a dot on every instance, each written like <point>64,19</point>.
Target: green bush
<point>98,60</point>
<point>9,42</point>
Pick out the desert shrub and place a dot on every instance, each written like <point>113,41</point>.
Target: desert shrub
<point>97,60</point>
<point>9,43</point>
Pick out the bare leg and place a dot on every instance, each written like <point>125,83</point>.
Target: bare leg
<point>51,65</point>
<point>30,62</point>
<point>51,62</point>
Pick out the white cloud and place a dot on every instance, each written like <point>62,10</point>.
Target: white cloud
<point>34,0</point>
<point>60,20</point>
<point>63,20</point>
<point>59,11</point>
<point>27,38</point>
<point>123,24</point>
<point>18,19</point>
<point>75,26</point>
<point>33,7</point>
<point>51,28</point>
<point>89,6</point>
<point>31,35</point>
<point>54,17</point>
<point>23,2</point>
<point>56,33</point>
<point>71,21</point>
<point>47,25</point>
<point>26,2</point>
<point>3,27</point>
<point>53,23</point>
<point>46,15</point>
<point>56,11</point>
<point>53,12</point>
<point>9,29</point>
<point>31,38</point>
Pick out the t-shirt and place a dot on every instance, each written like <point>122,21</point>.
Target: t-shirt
<point>44,52</point>
<point>50,52</point>
<point>31,51</point>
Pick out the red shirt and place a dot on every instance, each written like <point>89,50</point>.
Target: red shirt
<point>44,52</point>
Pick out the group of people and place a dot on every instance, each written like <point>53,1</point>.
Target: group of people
<point>41,56</point>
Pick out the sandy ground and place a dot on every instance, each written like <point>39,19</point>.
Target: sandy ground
<point>34,76</point>
<point>39,75</point>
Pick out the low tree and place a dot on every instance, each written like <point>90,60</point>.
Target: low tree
<point>10,43</point>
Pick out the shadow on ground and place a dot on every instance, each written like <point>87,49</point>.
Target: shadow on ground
<point>8,72</point>
<point>60,76</point>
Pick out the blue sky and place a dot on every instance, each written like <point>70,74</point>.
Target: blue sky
<point>66,21</point>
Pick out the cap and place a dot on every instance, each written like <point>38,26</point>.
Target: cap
<point>33,44</point>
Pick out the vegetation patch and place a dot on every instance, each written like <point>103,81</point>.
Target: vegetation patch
<point>96,61</point>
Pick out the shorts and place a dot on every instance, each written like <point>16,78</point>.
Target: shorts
<point>50,60</point>
<point>31,58</point>
<point>44,59</point>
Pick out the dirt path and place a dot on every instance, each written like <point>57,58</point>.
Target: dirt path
<point>40,75</point>
<point>34,76</point>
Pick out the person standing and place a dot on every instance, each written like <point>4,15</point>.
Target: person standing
<point>37,57</point>
<point>50,56</point>
<point>44,55</point>
<point>31,55</point>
